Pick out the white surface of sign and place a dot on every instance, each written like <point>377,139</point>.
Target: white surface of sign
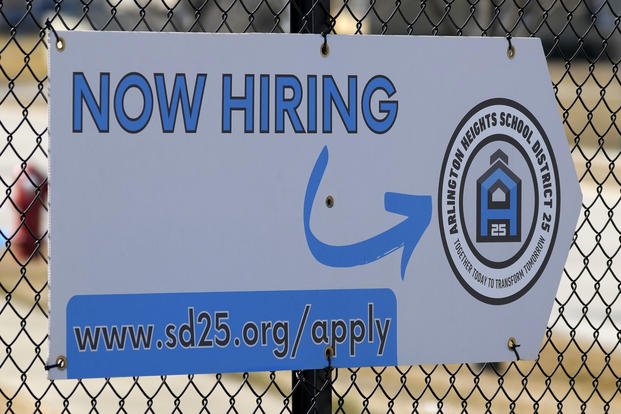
<point>226,203</point>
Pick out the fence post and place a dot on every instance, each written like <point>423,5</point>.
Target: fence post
<point>313,394</point>
<point>309,16</point>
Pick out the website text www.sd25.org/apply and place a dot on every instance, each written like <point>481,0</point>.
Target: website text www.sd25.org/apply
<point>209,329</point>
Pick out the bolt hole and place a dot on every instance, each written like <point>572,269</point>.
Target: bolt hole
<point>60,44</point>
<point>329,352</point>
<point>61,361</point>
<point>325,49</point>
<point>329,201</point>
<point>511,342</point>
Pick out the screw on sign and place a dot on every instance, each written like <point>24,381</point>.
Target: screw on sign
<point>30,198</point>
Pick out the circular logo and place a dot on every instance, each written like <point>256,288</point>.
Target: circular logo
<point>499,201</point>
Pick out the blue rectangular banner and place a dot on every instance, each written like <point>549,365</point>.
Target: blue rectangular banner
<point>178,333</point>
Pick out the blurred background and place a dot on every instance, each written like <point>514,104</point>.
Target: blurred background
<point>580,364</point>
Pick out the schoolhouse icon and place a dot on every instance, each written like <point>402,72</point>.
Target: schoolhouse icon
<point>499,202</point>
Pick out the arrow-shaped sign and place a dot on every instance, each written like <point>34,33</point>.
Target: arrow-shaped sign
<point>416,208</point>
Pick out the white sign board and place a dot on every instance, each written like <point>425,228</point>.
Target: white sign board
<point>231,203</point>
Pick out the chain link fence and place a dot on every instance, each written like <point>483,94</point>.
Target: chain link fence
<point>579,366</point>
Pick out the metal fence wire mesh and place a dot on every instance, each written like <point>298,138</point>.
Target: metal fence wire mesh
<point>579,366</point>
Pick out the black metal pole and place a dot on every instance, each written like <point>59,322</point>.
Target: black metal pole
<point>312,390</point>
<point>310,16</point>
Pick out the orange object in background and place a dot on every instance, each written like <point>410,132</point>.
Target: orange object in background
<point>29,196</point>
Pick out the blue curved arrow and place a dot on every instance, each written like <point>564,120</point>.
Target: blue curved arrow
<point>416,208</point>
